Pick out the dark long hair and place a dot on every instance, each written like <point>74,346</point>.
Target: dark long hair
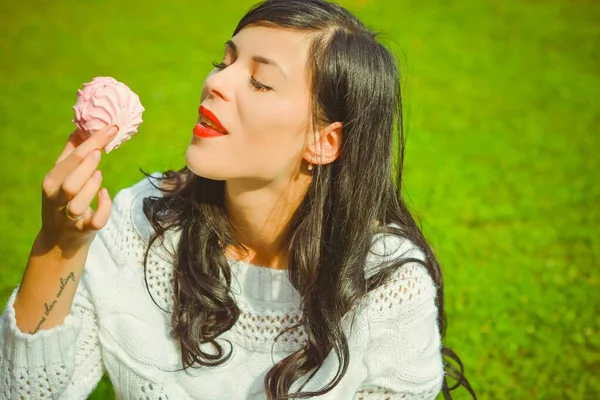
<point>354,80</point>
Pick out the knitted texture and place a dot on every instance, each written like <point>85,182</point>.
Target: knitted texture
<point>116,327</point>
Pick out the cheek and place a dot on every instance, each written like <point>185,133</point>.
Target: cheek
<point>272,138</point>
<point>273,121</point>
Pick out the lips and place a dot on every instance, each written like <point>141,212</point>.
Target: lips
<point>208,125</point>
<point>205,132</point>
<point>210,120</point>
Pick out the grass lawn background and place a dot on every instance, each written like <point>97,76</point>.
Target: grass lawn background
<point>502,169</point>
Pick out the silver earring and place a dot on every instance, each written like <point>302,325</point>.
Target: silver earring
<point>310,167</point>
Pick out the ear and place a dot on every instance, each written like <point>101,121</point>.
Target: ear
<point>324,146</point>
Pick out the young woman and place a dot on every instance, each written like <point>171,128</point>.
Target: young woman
<point>280,262</point>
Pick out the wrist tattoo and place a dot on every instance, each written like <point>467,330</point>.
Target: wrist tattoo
<point>48,307</point>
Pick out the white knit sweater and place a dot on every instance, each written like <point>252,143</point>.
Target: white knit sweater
<point>114,326</point>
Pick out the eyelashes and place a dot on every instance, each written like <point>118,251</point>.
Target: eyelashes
<point>219,65</point>
<point>259,86</point>
<point>253,82</point>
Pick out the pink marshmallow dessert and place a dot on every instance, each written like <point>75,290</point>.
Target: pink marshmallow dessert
<point>106,101</point>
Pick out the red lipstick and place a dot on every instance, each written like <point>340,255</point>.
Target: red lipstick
<point>205,132</point>
<point>209,125</point>
<point>212,117</point>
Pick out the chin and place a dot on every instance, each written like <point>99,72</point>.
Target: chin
<point>203,166</point>
<point>203,173</point>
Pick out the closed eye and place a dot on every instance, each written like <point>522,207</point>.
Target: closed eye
<point>253,82</point>
<point>259,86</point>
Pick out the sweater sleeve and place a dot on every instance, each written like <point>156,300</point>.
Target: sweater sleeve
<point>62,362</point>
<point>404,359</point>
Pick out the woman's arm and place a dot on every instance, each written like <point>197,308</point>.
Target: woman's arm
<point>46,292</point>
<point>62,362</point>
<point>41,328</point>
<point>68,228</point>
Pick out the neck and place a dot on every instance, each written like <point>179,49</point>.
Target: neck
<point>260,213</point>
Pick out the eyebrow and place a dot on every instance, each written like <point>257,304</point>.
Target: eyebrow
<point>257,59</point>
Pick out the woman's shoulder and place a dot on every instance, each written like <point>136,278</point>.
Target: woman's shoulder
<point>388,247</point>
<point>408,285</point>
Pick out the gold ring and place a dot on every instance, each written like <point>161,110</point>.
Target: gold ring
<point>71,216</point>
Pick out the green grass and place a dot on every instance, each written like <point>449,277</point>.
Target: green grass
<point>502,168</point>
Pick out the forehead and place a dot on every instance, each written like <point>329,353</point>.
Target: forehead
<point>288,48</point>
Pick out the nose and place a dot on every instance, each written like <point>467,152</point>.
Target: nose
<point>218,84</point>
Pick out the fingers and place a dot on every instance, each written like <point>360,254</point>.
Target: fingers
<point>75,181</point>
<point>99,139</point>
<point>80,203</point>
<point>74,140</point>
<point>72,156</point>
<point>100,217</point>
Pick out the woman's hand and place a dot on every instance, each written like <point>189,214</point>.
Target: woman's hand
<point>69,188</point>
